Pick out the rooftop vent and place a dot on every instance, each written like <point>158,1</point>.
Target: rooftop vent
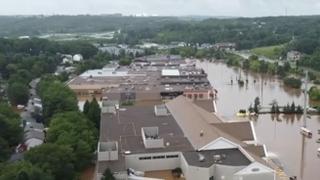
<point>255,169</point>
<point>217,158</point>
<point>201,133</point>
<point>201,157</point>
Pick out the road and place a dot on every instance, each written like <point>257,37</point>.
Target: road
<point>27,116</point>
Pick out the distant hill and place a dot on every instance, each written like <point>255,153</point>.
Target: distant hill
<point>13,26</point>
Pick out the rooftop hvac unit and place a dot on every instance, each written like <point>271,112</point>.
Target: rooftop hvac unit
<point>217,158</point>
<point>201,157</point>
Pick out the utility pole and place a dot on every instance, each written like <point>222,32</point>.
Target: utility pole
<point>305,101</point>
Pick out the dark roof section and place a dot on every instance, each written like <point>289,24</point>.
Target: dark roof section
<point>240,130</point>
<point>230,157</point>
<point>193,120</point>
<point>205,104</point>
<point>258,150</point>
<point>126,130</point>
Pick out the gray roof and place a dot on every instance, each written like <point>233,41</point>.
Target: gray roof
<point>34,134</point>
<point>181,129</point>
<point>127,130</point>
<point>193,119</point>
<point>230,157</point>
<point>256,149</point>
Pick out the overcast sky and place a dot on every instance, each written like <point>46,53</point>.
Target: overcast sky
<point>162,7</point>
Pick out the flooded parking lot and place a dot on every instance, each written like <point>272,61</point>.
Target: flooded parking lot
<point>280,134</point>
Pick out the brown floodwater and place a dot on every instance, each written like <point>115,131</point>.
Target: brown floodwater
<point>280,134</point>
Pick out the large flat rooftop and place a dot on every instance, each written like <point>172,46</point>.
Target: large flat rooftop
<point>149,77</point>
<point>126,129</point>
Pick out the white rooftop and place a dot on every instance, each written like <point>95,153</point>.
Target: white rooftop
<point>255,168</point>
<point>170,72</point>
<point>104,73</point>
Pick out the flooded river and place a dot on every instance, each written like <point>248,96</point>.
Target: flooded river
<point>280,134</point>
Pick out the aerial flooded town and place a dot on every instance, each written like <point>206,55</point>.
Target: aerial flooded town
<point>159,90</point>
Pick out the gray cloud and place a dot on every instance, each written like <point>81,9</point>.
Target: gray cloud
<point>162,7</point>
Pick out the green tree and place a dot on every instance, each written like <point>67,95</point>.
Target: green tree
<point>86,107</point>
<point>314,93</point>
<point>273,109</point>
<point>5,150</point>
<point>256,105</point>
<point>293,82</point>
<point>299,110</point>
<point>23,170</point>
<point>125,62</point>
<point>107,175</point>
<point>53,159</point>
<point>18,93</point>
<point>293,108</point>
<point>10,129</point>
<point>94,113</point>
<point>58,98</point>
<point>74,130</point>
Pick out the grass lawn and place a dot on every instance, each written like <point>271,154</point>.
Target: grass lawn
<point>271,52</point>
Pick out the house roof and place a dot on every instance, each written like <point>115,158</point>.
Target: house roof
<point>206,105</point>
<point>241,130</point>
<point>189,127</point>
<point>125,128</point>
<point>194,121</point>
<point>231,157</point>
<point>258,150</point>
<point>34,134</point>
<point>255,168</point>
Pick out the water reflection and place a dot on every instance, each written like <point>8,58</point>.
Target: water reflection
<point>281,133</point>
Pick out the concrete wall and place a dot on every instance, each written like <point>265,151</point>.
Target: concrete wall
<point>261,176</point>
<point>149,142</point>
<point>197,173</point>
<point>191,172</point>
<point>107,151</point>
<point>223,172</point>
<point>133,161</point>
<point>108,156</point>
<point>154,143</point>
<point>219,172</point>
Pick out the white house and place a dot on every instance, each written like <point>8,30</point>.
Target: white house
<point>77,58</point>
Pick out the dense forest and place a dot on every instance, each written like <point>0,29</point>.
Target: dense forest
<point>14,26</point>
<point>246,32</point>
<point>72,135</point>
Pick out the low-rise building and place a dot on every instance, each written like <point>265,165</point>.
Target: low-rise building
<point>178,134</point>
<point>293,56</point>
<point>33,138</point>
<point>157,80</point>
<point>225,46</point>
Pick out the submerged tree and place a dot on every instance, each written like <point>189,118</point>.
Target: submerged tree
<point>107,175</point>
<point>256,105</point>
<point>293,108</point>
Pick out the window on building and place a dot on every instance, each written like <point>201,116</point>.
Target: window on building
<point>200,96</point>
<point>196,96</point>
<point>145,158</point>
<point>172,156</point>
<point>158,157</point>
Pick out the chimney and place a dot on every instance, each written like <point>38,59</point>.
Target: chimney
<point>201,133</point>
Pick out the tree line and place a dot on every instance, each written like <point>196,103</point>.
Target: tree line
<point>72,136</point>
